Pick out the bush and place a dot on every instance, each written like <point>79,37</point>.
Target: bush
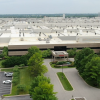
<point>14,60</point>
<point>54,62</point>
<point>15,81</point>
<point>15,69</point>
<point>22,65</point>
<point>21,87</point>
<point>15,75</point>
<point>61,62</point>
<point>1,55</point>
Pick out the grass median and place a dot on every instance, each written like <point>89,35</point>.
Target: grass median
<point>67,86</point>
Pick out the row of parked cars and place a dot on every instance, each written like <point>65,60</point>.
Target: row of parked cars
<point>8,74</point>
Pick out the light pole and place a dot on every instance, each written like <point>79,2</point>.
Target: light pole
<point>62,71</point>
<point>62,68</point>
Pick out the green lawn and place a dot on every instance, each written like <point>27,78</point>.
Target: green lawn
<point>7,70</point>
<point>67,86</point>
<point>25,79</point>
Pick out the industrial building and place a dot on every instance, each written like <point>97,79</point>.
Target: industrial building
<point>19,34</point>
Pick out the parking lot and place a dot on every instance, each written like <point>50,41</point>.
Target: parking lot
<point>4,88</point>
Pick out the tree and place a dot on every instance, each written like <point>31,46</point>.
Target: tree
<point>5,51</point>
<point>80,55</point>
<point>46,53</point>
<point>85,60</point>
<point>32,50</point>
<point>41,89</point>
<point>44,91</point>
<point>36,66</point>
<point>91,72</point>
<point>72,52</point>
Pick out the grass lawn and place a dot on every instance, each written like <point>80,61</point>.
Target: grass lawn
<point>25,79</point>
<point>67,86</point>
<point>7,70</point>
<point>52,65</point>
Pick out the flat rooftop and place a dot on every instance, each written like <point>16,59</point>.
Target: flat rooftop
<point>22,31</point>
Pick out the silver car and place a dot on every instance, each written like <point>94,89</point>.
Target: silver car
<point>7,81</point>
<point>8,74</point>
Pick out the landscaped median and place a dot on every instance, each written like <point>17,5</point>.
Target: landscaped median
<point>67,86</point>
<point>60,64</point>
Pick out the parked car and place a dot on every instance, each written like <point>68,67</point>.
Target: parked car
<point>7,81</point>
<point>8,73</point>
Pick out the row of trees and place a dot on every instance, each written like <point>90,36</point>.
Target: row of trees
<point>88,65</point>
<point>14,60</point>
<point>17,60</point>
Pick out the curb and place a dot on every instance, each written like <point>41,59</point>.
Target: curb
<point>60,82</point>
<point>16,95</point>
<point>68,81</point>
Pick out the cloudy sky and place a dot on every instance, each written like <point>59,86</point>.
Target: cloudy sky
<point>49,6</point>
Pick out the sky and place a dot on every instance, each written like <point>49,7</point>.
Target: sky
<point>49,6</point>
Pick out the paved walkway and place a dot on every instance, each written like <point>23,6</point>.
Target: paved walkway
<point>81,89</point>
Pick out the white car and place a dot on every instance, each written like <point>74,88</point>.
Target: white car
<point>8,73</point>
<point>7,81</point>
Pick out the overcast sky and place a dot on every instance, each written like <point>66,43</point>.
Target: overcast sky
<point>49,6</point>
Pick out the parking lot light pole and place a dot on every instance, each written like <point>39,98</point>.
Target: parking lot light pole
<point>62,68</point>
<point>62,71</point>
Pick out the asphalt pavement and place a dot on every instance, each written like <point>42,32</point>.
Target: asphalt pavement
<point>81,88</point>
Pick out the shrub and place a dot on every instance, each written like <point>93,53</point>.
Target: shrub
<point>16,66</point>
<point>1,55</point>
<point>54,62</point>
<point>22,65</point>
<point>21,87</point>
<point>12,61</point>
<point>16,74</point>
<point>61,62</point>
<point>15,81</point>
<point>15,69</point>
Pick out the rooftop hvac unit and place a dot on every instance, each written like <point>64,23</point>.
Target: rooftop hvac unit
<point>21,39</point>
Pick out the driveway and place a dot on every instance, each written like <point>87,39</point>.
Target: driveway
<point>4,88</point>
<point>81,89</point>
